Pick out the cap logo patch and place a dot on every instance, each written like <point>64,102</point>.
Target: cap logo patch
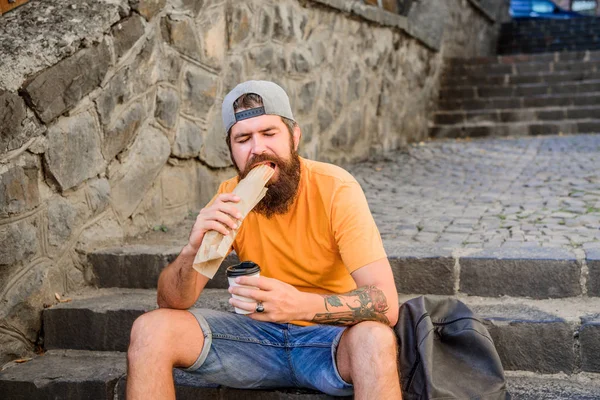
<point>250,113</point>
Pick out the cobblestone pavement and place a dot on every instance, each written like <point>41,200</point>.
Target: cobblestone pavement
<point>508,192</point>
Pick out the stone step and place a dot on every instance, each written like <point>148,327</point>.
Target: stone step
<point>83,375</point>
<point>546,336</point>
<point>568,32</point>
<point>527,58</point>
<point>519,90</point>
<point>544,38</point>
<point>589,33</point>
<point>516,115</point>
<point>526,48</point>
<point>541,272</point>
<point>527,386</point>
<point>64,375</point>
<point>451,81</point>
<point>541,50</point>
<point>138,266</point>
<point>555,43</point>
<point>538,24</point>
<point>573,31</point>
<point>520,128</point>
<point>554,100</point>
<point>524,68</point>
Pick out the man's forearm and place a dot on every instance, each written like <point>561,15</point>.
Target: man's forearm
<point>179,285</point>
<point>366,303</point>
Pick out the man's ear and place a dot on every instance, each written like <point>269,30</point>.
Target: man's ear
<point>297,136</point>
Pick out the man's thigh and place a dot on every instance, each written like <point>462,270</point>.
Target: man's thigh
<point>239,352</point>
<point>244,353</point>
<point>313,355</point>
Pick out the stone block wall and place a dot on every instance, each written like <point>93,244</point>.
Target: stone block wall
<point>110,115</point>
<point>463,28</point>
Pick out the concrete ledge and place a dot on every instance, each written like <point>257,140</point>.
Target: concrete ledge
<point>98,323</point>
<point>79,375</point>
<point>384,18</point>
<point>556,56</point>
<point>102,319</point>
<point>138,266</point>
<point>528,386</point>
<point>482,10</point>
<point>528,272</point>
<point>82,375</point>
<point>529,339</point>
<point>593,264</point>
<point>64,374</point>
<point>422,270</point>
<point>537,273</point>
<point>131,266</point>
<point>534,335</point>
<point>589,340</point>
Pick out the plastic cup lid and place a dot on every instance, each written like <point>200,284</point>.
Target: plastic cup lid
<point>243,269</point>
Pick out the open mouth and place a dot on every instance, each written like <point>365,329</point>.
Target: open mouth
<point>268,163</point>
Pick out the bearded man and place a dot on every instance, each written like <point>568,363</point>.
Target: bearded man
<point>327,300</point>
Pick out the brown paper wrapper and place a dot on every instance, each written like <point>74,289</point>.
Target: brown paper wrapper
<point>215,246</point>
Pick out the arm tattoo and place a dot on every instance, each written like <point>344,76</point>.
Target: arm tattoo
<point>371,305</point>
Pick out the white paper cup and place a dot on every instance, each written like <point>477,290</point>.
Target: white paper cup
<point>246,268</point>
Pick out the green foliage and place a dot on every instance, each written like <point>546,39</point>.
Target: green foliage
<point>161,228</point>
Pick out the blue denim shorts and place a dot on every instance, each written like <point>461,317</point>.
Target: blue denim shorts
<point>240,352</point>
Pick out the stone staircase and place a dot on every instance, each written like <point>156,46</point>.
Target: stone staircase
<point>542,306</point>
<point>549,85</point>
<point>548,341</point>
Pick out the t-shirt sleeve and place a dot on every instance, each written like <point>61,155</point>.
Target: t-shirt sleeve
<point>354,228</point>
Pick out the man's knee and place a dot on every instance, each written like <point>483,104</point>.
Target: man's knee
<point>148,331</point>
<point>160,333</point>
<point>371,338</point>
<point>365,345</point>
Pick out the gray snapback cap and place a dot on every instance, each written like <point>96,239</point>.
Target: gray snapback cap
<point>275,102</point>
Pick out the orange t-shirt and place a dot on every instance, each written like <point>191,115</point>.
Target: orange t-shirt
<point>327,234</point>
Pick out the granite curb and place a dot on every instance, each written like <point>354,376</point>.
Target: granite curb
<point>534,101</point>
<point>534,272</point>
<point>138,266</point>
<point>555,56</point>
<point>535,335</point>
<point>102,375</point>
<point>527,386</point>
<point>520,128</point>
<point>589,339</point>
<point>487,91</point>
<point>38,379</point>
<point>593,266</point>
<point>525,67</point>
<point>64,374</point>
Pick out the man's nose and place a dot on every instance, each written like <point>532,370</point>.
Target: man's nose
<point>258,145</point>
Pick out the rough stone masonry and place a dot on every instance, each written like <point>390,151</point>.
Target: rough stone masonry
<point>109,113</point>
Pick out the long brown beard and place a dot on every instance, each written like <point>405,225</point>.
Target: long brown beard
<point>280,194</point>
